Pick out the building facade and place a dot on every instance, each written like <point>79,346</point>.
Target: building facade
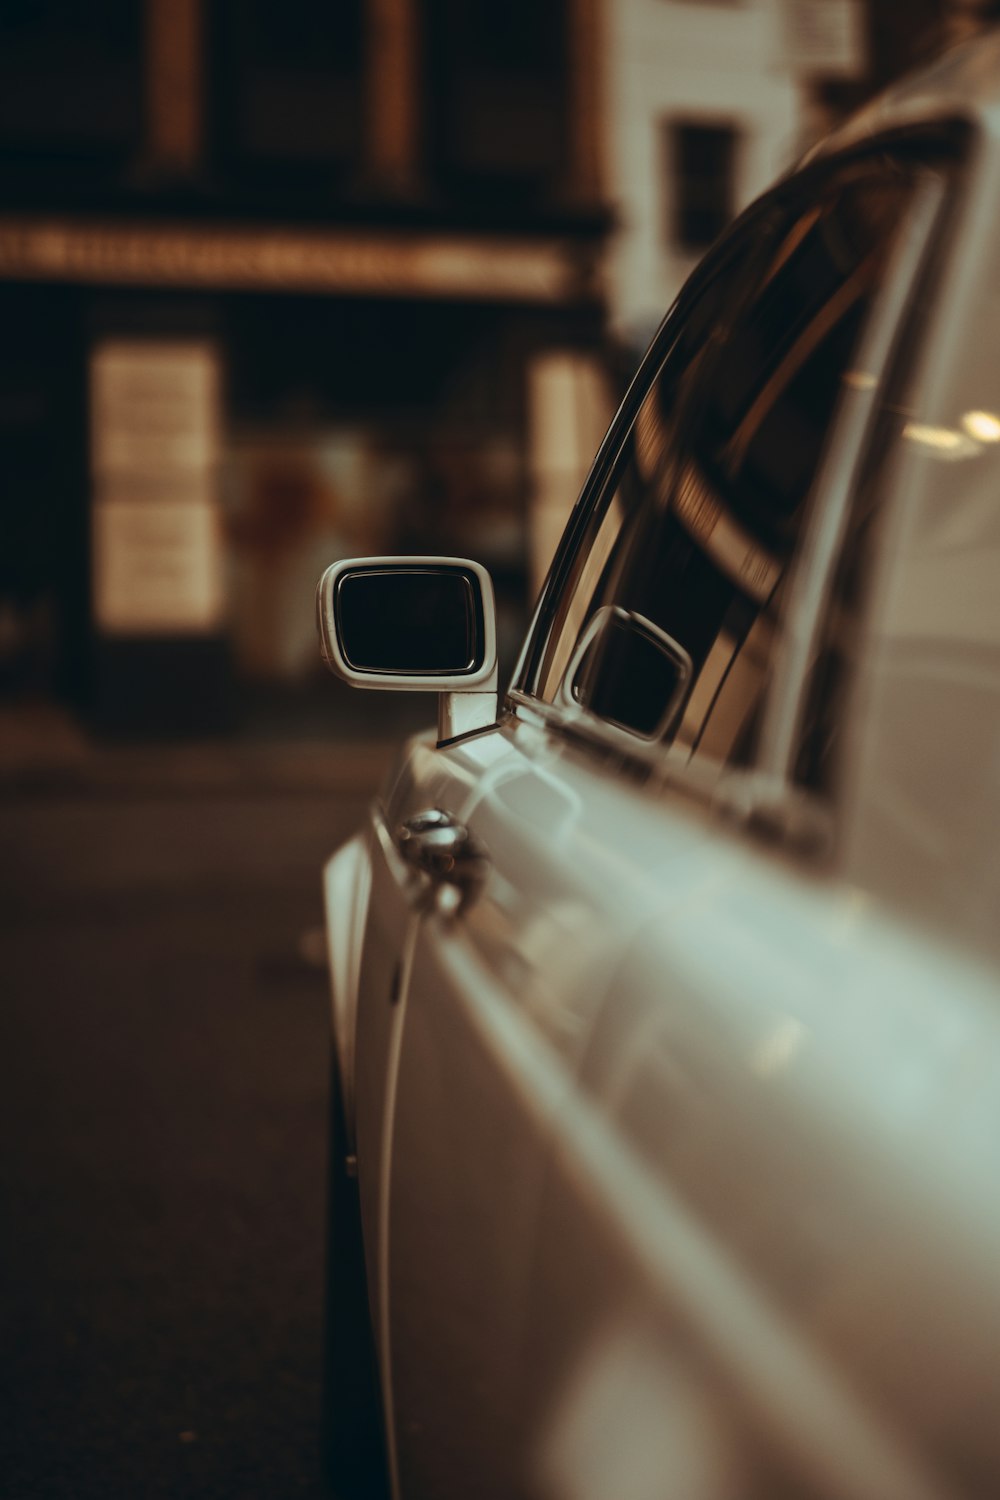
<point>708,100</point>
<point>275,279</point>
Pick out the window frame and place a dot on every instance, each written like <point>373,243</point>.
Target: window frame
<point>765,793</point>
<point>678,209</point>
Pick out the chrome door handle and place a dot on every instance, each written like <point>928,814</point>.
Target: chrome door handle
<point>443,850</point>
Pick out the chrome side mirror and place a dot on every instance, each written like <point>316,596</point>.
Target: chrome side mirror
<point>414,624</point>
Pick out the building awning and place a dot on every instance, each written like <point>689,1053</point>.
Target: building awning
<point>545,270</point>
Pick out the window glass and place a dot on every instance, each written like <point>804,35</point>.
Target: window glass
<point>701,158</point>
<point>817,760</point>
<point>496,91</point>
<point>668,626</point>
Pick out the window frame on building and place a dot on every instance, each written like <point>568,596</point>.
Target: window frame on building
<point>700,204</point>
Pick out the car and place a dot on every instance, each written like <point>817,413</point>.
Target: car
<point>666,988</point>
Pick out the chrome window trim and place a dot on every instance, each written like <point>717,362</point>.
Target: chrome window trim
<point>737,796</point>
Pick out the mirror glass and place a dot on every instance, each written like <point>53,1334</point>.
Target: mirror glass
<point>417,621</point>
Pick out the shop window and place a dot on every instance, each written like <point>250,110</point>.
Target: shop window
<point>497,92</point>
<point>288,84</point>
<point>701,158</point>
<point>70,78</point>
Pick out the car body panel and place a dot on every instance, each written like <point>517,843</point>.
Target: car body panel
<point>347,880</point>
<point>556,1122</point>
<point>490,1022</point>
<point>765,1156</point>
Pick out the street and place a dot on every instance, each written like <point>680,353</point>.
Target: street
<point>163,1071</point>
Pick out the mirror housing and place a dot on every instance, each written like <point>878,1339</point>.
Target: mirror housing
<point>414,624</point>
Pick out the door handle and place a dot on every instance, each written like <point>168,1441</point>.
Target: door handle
<point>446,853</point>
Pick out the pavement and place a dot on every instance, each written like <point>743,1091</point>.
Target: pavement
<point>163,1071</point>
<point>45,751</point>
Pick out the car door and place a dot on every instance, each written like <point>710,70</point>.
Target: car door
<point>491,1009</point>
<point>475,1021</point>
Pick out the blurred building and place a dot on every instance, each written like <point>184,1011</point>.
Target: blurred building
<point>704,109</point>
<point>278,280</point>
<point>287,280</point>
<point>708,100</point>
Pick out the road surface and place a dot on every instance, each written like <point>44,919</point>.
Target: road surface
<point>163,1067</point>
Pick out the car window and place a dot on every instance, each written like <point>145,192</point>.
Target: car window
<point>668,627</point>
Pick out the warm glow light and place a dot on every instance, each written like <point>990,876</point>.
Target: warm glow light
<point>860,380</point>
<point>946,439</point>
<point>984,426</point>
<point>775,1052</point>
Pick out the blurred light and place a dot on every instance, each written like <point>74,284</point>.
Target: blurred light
<point>860,380</point>
<point>944,441</point>
<point>851,910</point>
<point>933,437</point>
<point>984,426</point>
<point>627,1415</point>
<point>778,1049</point>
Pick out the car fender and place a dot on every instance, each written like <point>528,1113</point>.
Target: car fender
<point>347,882</point>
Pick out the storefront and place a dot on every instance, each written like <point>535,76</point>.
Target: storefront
<point>293,292</point>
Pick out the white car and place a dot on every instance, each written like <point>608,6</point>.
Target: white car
<point>666,992</point>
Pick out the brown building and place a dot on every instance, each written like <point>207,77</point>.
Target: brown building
<point>276,279</point>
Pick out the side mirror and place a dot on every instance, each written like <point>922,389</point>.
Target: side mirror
<point>414,624</point>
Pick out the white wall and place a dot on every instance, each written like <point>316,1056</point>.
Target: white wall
<point>686,58</point>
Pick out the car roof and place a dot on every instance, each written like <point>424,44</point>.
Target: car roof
<point>963,84</point>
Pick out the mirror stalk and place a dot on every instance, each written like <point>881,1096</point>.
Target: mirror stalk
<point>464,713</point>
